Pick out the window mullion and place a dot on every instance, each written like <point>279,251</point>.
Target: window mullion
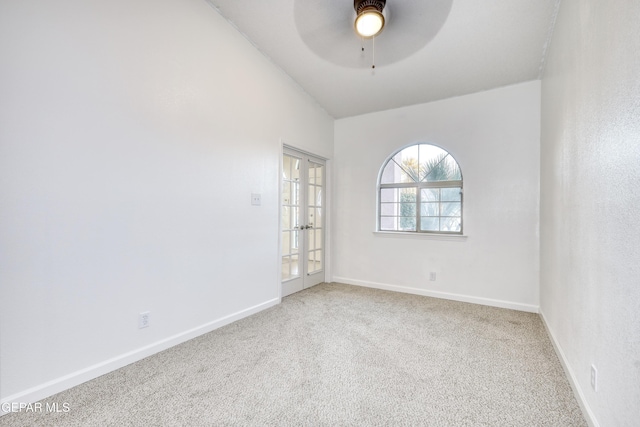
<point>418,205</point>
<point>399,185</point>
<point>439,209</point>
<point>437,184</point>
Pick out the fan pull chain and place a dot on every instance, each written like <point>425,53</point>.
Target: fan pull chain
<point>373,52</point>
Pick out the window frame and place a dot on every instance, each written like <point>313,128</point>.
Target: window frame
<point>419,186</point>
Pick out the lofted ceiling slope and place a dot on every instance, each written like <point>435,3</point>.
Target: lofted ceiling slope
<point>428,50</point>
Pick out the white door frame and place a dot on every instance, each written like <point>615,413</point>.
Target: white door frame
<point>327,212</point>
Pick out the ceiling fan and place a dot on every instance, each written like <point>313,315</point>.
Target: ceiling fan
<point>338,30</point>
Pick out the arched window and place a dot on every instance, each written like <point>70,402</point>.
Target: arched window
<point>420,191</point>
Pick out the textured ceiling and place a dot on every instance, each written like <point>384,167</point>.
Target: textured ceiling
<point>428,50</point>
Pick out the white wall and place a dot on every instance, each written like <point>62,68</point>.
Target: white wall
<point>590,227</point>
<point>495,137</point>
<point>132,134</point>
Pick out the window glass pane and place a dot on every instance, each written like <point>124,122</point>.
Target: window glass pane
<point>429,152</point>
<point>311,219</point>
<point>294,193</point>
<point>430,157</point>
<point>436,169</point>
<point>453,168</point>
<point>286,218</point>
<point>430,209</point>
<point>407,223</point>
<point>294,266</point>
<point>311,240</point>
<point>411,152</point>
<point>450,209</point>
<point>408,209</point>
<point>286,243</point>
<point>407,195</point>
<point>423,162</point>
<point>294,218</point>
<point>430,194</point>
<point>315,261</point>
<point>286,167</point>
<point>286,193</point>
<point>389,209</point>
<point>408,161</point>
<point>450,224</point>
<point>393,173</point>
<point>409,165</point>
<point>319,173</point>
<point>318,239</point>
<point>443,168</point>
<point>286,268</point>
<point>312,173</point>
<point>389,223</point>
<point>295,169</point>
<point>318,196</point>
<point>451,194</point>
<point>312,195</point>
<point>311,266</point>
<point>294,242</point>
<point>429,223</point>
<point>389,195</point>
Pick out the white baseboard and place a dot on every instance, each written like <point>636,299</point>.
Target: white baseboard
<point>443,295</point>
<point>50,388</point>
<point>577,391</point>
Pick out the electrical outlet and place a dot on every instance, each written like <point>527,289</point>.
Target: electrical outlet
<point>143,319</point>
<point>256,199</point>
<point>594,378</point>
<point>432,276</point>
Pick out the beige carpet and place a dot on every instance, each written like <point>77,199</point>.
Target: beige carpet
<point>337,355</point>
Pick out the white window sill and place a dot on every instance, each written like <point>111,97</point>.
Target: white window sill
<point>428,236</point>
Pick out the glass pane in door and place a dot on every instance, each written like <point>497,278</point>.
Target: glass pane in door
<point>314,218</point>
<point>290,216</point>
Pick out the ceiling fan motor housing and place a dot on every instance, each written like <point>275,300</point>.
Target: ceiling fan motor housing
<point>360,5</point>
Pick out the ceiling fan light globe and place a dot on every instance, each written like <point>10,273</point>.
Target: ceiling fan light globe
<point>369,22</point>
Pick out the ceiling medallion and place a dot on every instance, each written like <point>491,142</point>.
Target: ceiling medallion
<point>330,28</point>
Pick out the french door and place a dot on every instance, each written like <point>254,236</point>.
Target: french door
<point>302,222</point>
